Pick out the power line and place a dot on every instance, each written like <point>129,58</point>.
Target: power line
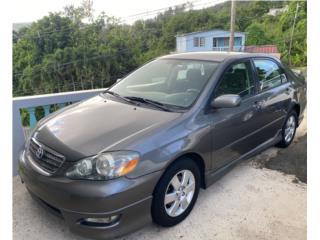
<point>192,6</point>
<point>63,65</point>
<point>147,13</point>
<point>62,86</point>
<point>124,50</point>
<point>42,34</point>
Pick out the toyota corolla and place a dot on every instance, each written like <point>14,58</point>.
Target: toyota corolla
<point>141,150</point>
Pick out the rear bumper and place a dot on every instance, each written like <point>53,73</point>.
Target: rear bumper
<point>75,200</point>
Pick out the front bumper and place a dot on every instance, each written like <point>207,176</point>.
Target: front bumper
<point>76,200</point>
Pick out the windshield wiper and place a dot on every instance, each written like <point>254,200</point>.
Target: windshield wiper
<point>119,96</point>
<point>150,102</point>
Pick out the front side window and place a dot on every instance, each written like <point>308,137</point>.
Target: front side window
<point>173,82</point>
<point>237,80</point>
<point>269,73</point>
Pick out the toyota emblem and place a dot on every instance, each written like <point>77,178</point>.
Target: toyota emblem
<point>39,152</point>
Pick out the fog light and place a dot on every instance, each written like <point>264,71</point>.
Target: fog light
<point>100,222</point>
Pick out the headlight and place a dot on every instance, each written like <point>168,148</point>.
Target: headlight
<point>104,166</point>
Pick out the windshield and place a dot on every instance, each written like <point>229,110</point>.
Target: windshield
<point>172,82</point>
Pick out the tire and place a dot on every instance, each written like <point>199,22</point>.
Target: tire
<point>172,213</point>
<point>291,118</point>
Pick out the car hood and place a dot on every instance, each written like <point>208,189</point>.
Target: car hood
<point>98,124</point>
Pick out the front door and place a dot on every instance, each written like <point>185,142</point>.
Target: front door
<point>233,129</point>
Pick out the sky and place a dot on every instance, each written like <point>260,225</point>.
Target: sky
<point>32,10</point>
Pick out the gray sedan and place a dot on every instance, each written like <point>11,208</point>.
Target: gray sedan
<point>141,150</point>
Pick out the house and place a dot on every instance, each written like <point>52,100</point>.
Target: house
<point>276,11</point>
<point>213,40</point>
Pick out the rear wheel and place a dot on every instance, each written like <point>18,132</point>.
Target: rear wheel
<point>176,193</point>
<point>288,130</point>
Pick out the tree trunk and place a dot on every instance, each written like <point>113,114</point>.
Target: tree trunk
<point>74,86</point>
<point>81,82</point>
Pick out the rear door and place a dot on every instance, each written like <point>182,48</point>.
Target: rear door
<point>273,97</point>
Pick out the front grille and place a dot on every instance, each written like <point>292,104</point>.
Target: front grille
<point>46,158</point>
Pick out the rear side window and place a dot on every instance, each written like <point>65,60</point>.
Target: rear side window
<point>269,73</point>
<point>237,80</point>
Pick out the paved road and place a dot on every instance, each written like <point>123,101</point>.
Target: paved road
<point>248,203</point>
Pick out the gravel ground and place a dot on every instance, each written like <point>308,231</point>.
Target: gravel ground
<point>250,202</point>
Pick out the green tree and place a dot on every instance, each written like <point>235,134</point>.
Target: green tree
<point>70,50</point>
<point>256,35</point>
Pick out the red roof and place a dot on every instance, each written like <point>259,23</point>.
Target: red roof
<point>262,49</point>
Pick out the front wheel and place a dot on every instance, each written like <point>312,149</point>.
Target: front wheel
<point>176,193</point>
<point>288,130</point>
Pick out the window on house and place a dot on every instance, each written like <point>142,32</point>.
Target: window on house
<point>196,41</point>
<point>199,41</point>
<point>226,42</point>
<point>214,42</point>
<point>202,42</point>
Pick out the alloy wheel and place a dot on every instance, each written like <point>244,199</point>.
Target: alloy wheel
<point>179,193</point>
<point>289,129</point>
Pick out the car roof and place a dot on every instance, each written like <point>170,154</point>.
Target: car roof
<point>215,56</point>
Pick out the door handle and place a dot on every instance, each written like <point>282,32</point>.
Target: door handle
<point>288,91</point>
<point>258,105</point>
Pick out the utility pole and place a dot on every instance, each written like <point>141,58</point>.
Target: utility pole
<point>292,31</point>
<point>232,22</point>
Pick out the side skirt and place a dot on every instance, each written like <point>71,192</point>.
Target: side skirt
<point>213,176</point>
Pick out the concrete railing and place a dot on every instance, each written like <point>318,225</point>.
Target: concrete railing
<point>19,133</point>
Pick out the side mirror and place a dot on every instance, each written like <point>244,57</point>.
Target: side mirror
<point>118,80</point>
<point>226,101</point>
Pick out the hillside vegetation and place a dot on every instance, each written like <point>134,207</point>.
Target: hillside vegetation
<point>62,52</point>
